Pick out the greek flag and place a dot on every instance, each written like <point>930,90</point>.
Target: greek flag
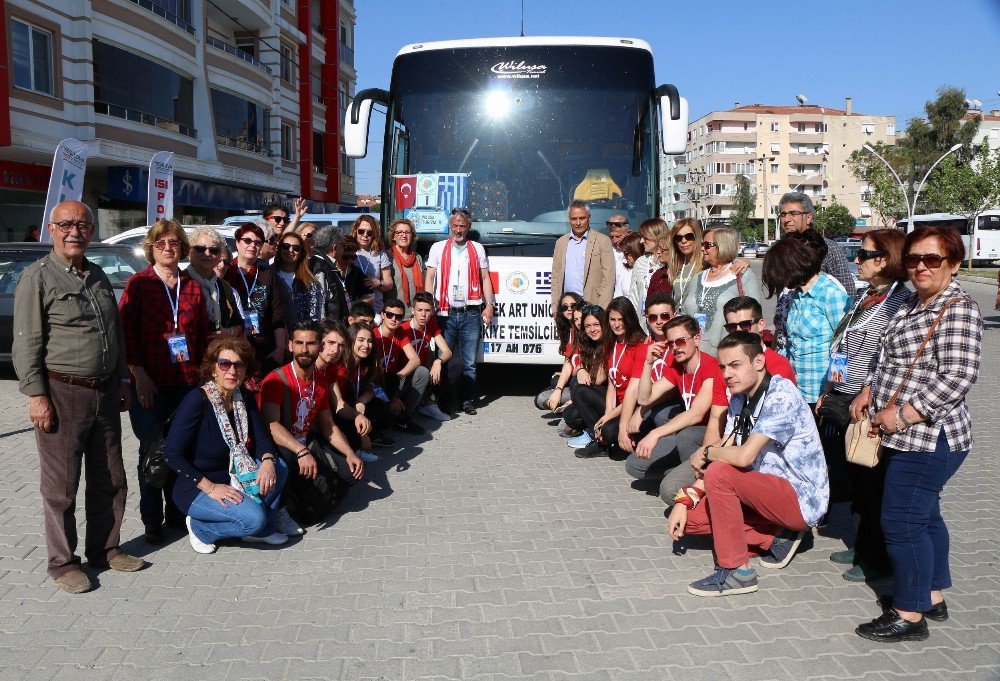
<point>543,283</point>
<point>452,190</point>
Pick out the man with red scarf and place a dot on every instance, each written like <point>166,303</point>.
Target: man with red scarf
<point>458,274</point>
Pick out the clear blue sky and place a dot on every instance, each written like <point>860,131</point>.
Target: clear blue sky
<point>889,55</point>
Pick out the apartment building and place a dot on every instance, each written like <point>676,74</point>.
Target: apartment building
<point>779,148</point>
<point>249,95</point>
<point>989,127</point>
<point>673,188</point>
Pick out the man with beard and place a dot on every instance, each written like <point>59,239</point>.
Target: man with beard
<point>295,404</point>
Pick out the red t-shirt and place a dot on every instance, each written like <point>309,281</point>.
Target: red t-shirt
<point>305,400</point>
<point>656,371</point>
<point>568,348</point>
<point>337,373</point>
<point>690,385</point>
<point>421,340</point>
<point>621,365</point>
<point>390,350</point>
<point>778,365</point>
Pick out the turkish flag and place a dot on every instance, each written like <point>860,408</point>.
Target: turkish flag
<point>406,191</point>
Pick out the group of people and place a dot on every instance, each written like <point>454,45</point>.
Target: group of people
<point>263,381</point>
<point>741,428</point>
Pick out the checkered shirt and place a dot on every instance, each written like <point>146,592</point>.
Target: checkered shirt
<point>812,319</point>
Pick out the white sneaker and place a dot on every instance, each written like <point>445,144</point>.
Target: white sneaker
<point>434,412</point>
<point>366,456</point>
<point>285,525</point>
<point>198,545</point>
<point>276,539</point>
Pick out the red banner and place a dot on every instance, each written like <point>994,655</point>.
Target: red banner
<point>406,192</point>
<point>26,176</point>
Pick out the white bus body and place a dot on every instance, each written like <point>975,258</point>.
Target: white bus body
<point>983,245</point>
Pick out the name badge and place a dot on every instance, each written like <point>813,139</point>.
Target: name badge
<point>177,344</point>
<point>251,322</point>
<point>702,320</point>
<point>838,367</point>
<point>379,393</point>
<point>457,294</point>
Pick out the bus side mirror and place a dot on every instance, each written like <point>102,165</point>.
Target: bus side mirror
<point>673,120</point>
<point>357,118</point>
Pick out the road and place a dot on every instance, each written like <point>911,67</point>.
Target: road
<point>485,551</point>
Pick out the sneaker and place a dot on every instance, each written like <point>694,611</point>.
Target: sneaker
<point>284,524</point>
<point>366,456</point>
<point>782,549</point>
<point>432,411</point>
<point>381,440</point>
<point>891,628</point>
<point>408,426</point>
<point>725,582</point>
<point>581,440</point>
<point>198,545</point>
<point>845,557</point>
<point>276,539</point>
<point>74,582</point>
<point>594,449</point>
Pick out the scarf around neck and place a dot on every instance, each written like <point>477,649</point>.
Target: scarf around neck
<point>474,285</point>
<point>212,293</point>
<point>413,266</point>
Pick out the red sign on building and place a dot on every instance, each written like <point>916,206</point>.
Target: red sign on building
<point>24,176</point>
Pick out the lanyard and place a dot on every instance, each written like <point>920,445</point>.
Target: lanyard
<point>310,402</point>
<point>386,356</point>
<point>754,404</point>
<point>423,339</point>
<point>685,395</point>
<point>681,281</point>
<point>249,289</point>
<point>174,304</point>
<point>704,287</point>
<point>616,359</point>
<point>863,324</point>
<point>357,385</point>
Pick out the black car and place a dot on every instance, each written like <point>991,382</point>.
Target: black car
<point>118,262</point>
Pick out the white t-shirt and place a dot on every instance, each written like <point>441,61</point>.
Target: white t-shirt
<point>379,261</point>
<point>459,276</point>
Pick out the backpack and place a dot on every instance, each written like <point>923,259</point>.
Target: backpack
<point>312,501</point>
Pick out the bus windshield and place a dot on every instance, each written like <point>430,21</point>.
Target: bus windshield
<point>515,134</point>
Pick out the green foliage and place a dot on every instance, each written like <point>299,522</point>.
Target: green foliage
<point>887,200</point>
<point>744,205</point>
<point>834,220</point>
<point>966,188</point>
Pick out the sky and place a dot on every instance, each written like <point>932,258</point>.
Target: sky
<point>891,56</point>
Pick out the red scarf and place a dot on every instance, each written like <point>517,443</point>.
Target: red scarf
<point>474,286</point>
<point>403,265</point>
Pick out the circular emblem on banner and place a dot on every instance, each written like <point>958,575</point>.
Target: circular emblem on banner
<point>517,282</point>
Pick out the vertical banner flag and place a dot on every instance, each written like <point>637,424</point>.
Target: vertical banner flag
<point>427,190</point>
<point>451,190</point>
<point>160,188</point>
<point>406,191</point>
<point>66,181</point>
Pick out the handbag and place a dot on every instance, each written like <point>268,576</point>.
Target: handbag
<point>863,441</point>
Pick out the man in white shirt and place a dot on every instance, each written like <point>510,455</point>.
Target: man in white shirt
<point>458,275</point>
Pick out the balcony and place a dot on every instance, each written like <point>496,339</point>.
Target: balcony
<point>238,53</point>
<point>243,144</point>
<point>163,13</point>
<point>346,55</point>
<point>144,118</point>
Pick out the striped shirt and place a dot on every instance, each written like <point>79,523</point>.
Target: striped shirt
<point>861,339</point>
<point>944,374</point>
<point>812,318</point>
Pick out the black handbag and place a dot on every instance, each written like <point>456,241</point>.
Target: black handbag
<point>154,469</point>
<point>836,410</point>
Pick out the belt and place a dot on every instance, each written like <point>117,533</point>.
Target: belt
<point>92,383</point>
<point>467,309</point>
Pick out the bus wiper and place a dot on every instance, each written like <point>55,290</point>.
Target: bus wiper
<point>468,154</point>
<point>554,174</point>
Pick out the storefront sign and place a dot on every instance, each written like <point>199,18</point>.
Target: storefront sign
<point>23,176</point>
<point>66,181</point>
<point>160,187</point>
<point>130,184</point>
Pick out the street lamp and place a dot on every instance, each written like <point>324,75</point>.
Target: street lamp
<point>921,185</point>
<point>764,160</point>
<point>911,209</point>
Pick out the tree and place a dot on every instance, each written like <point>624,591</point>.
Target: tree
<point>834,220</point>
<point>744,205</point>
<point>887,200</point>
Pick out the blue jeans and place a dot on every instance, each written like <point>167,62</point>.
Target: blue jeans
<point>463,332</point>
<point>153,499</point>
<point>211,521</point>
<point>915,534</point>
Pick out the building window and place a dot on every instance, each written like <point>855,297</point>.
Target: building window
<point>31,48</point>
<point>868,128</point>
<point>821,127</point>
<point>802,127</point>
<point>774,168</point>
<point>287,63</point>
<point>775,127</point>
<point>287,142</point>
<point>890,129</point>
<point>247,44</point>
<point>343,99</point>
<point>319,149</point>
<point>132,87</point>
<point>775,147</point>
<point>774,189</point>
<point>241,123</point>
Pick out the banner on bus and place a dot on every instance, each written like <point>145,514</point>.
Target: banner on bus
<point>160,187</point>
<point>523,330</point>
<point>427,199</point>
<point>65,181</point>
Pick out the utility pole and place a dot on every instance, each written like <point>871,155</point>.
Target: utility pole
<point>764,160</point>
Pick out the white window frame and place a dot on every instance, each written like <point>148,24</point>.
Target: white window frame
<point>287,146</point>
<point>32,29</point>
<point>890,129</point>
<point>775,167</point>
<point>775,147</point>
<point>775,126</point>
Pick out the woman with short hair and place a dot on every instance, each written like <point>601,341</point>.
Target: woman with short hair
<point>208,249</point>
<point>407,265</point>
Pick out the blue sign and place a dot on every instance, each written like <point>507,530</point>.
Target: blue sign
<point>861,223</point>
<point>129,184</point>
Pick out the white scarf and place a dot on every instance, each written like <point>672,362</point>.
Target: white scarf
<point>242,466</point>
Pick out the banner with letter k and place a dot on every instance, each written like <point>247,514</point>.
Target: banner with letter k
<point>66,181</point>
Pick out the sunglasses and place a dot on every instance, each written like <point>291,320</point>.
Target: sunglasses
<point>740,326</point>
<point>392,315</point>
<point>227,364</point>
<point>679,343</point>
<point>294,248</point>
<point>279,218</point>
<point>865,254</point>
<point>309,235</point>
<point>211,250</point>
<point>687,236</point>
<point>256,243</point>
<point>592,309</point>
<point>663,249</point>
<point>616,223</point>
<point>931,260</point>
<point>163,243</point>
<point>707,245</point>
<point>658,316</point>
<point>462,211</point>
<point>567,307</point>
<point>365,232</point>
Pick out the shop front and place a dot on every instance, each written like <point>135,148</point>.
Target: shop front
<point>22,195</point>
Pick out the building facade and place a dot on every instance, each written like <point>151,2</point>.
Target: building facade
<point>248,94</point>
<point>780,149</point>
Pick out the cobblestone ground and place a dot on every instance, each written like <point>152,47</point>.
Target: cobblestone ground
<point>485,551</point>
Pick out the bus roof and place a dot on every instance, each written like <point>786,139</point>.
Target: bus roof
<point>514,41</point>
<point>933,217</point>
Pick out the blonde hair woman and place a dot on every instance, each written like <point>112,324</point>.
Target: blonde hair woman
<point>684,242</point>
<point>650,232</point>
<point>407,265</point>
<point>378,274</point>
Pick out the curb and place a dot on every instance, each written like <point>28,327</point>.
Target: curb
<point>978,280</point>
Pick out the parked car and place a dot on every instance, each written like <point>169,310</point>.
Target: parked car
<point>342,220</point>
<point>133,238</point>
<point>749,249</point>
<point>762,249</point>
<point>118,262</point>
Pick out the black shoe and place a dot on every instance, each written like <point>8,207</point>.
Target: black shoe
<point>938,613</point>
<point>591,451</point>
<point>469,408</point>
<point>891,628</point>
<point>569,433</point>
<point>153,534</point>
<point>381,440</point>
<point>408,426</point>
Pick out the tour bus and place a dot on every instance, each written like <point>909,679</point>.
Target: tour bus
<point>983,246</point>
<point>514,129</point>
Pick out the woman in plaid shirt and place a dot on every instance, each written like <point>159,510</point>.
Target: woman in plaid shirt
<point>928,434</point>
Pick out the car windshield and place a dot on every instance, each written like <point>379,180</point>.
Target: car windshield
<point>118,263</point>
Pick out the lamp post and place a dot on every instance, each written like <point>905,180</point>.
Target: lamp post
<point>920,186</point>
<point>911,209</point>
<point>764,160</point>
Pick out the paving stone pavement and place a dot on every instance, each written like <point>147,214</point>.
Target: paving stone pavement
<point>485,551</point>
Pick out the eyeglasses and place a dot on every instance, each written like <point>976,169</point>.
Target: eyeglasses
<point>256,243</point>
<point>687,236</point>
<point>792,213</point>
<point>567,307</point>
<point>740,326</point>
<point>163,243</point>
<point>658,316</point>
<point>865,254</point>
<point>294,248</point>
<point>67,226</point>
<point>614,224</point>
<point>364,232</point>
<point>679,343</point>
<point>707,245</point>
<point>931,260</point>
<point>279,218</point>
<point>392,315</point>
<point>212,250</point>
<point>226,364</point>
<point>402,232</point>
<point>462,211</point>
<point>309,235</point>
<point>592,309</point>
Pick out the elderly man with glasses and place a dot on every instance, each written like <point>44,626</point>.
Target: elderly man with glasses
<point>72,368</point>
<point>583,261</point>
